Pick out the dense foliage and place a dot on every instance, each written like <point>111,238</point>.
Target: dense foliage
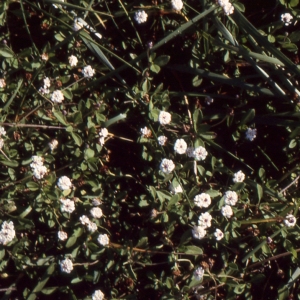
<point>149,149</point>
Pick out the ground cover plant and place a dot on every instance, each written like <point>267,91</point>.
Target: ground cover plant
<point>149,149</point>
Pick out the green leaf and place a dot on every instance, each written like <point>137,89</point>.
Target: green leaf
<point>9,163</point>
<point>162,60</point>
<point>146,86</point>
<point>292,144</point>
<point>155,68</point>
<point>76,138</point>
<point>248,117</point>
<point>194,250</point>
<point>197,81</point>
<point>60,117</point>
<point>68,94</point>
<point>173,201</point>
<point>294,3</point>
<point>6,52</point>
<point>49,290</point>
<point>71,241</point>
<point>259,190</point>
<point>33,186</point>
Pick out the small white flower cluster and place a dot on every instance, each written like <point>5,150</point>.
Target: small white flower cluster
<point>251,134</point>
<point>103,239</point>
<point>227,7</point>
<point>57,97</point>
<point>37,167</point>
<point>96,212</point>
<point>239,177</point>
<point>230,199</point>
<point>7,232</point>
<point>53,144</point>
<point>2,133</point>
<point>73,60</point>
<point>2,83</point>
<point>286,18</point>
<point>66,265</point>
<point>167,166</point>
<point>103,133</point>
<point>64,183</point>
<point>98,295</point>
<point>162,140</point>
<point>198,273</point>
<point>140,16</point>
<point>202,200</point>
<point>77,25</point>
<point>146,132</point>
<point>164,118</point>
<point>177,4</point>
<point>175,190</point>
<point>67,205</point>
<point>45,88</point>
<point>91,226</point>
<point>290,220</point>
<point>58,5</point>
<point>62,235</point>
<point>198,153</point>
<point>180,146</point>
<point>88,72</point>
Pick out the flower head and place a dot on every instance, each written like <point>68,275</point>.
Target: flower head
<point>198,273</point>
<point>227,211</point>
<point>175,190</point>
<point>103,239</point>
<point>231,198</point>
<point>39,172</point>
<point>98,295</point>
<point>205,220</point>
<point>199,153</point>
<point>62,235</point>
<point>56,6</point>
<point>84,220</point>
<point>66,265</point>
<point>239,177</point>
<point>164,118</point>
<point>92,227</point>
<point>1,143</point>
<point>64,183</point>
<point>162,140</point>
<point>167,166</point>
<point>2,83</point>
<point>88,72</point>
<point>47,82</point>
<point>140,16</point>
<point>177,4</point>
<point>287,19</point>
<point>146,132</point>
<point>77,25</point>
<point>67,205</point>
<point>2,131</point>
<point>290,221</point>
<point>103,132</point>
<point>96,212</point>
<point>198,232</point>
<point>228,9</point>
<point>57,96</point>
<point>218,234</point>
<point>202,200</point>
<point>53,144</point>
<point>251,134</point>
<point>7,232</point>
<point>45,56</point>
<point>180,146</point>
<point>73,60</point>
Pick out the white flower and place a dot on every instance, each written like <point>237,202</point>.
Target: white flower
<point>146,132</point>
<point>140,16</point>
<point>162,140</point>
<point>180,146</point>
<point>62,235</point>
<point>44,91</point>
<point>231,198</point>
<point>88,72</point>
<point>205,220</point>
<point>218,234</point>
<point>103,132</point>
<point>200,153</point>
<point>2,83</point>
<point>103,239</point>
<point>53,144</point>
<point>208,100</point>
<point>96,212</point>
<point>64,183</point>
<point>286,18</point>
<point>228,9</point>
<point>198,273</point>
<point>56,6</point>
<point>45,56</point>
<point>175,190</point>
<point>223,2</point>
<point>66,265</point>
<point>239,177</point>
<point>77,25</point>
<point>36,161</point>
<point>39,172</point>
<point>7,232</point>
<point>92,227</point>
<point>57,96</point>
<point>290,221</point>
<point>73,60</point>
<point>202,200</point>
<point>227,211</point>
<point>98,295</point>
<point>251,134</point>
<point>96,202</point>
<point>84,220</point>
<point>177,4</point>
<point>167,166</point>
<point>1,143</point>
<point>190,151</point>
<point>2,131</point>
<point>67,205</point>
<point>164,118</point>
<point>47,82</point>
<point>102,140</point>
<point>198,232</point>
